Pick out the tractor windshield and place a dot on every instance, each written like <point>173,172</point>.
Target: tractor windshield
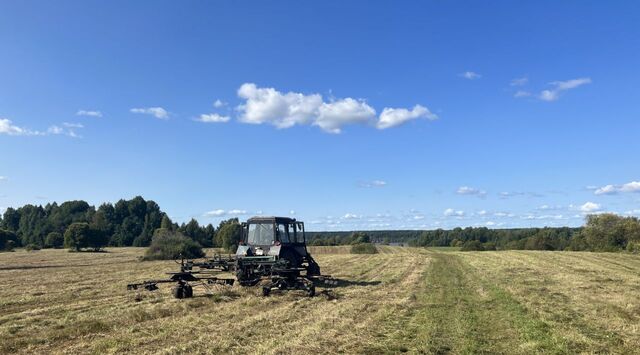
<point>260,234</point>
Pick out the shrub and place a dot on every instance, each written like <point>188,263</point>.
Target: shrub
<point>168,245</point>
<point>472,245</point>
<point>7,240</point>
<point>364,248</point>
<point>32,247</point>
<point>54,240</point>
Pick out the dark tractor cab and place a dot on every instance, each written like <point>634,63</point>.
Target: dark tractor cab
<point>276,238</point>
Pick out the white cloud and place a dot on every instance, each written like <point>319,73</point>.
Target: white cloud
<point>219,103</point>
<point>285,110</point>
<point>292,212</point>
<point>521,93</point>
<point>590,207</point>
<point>4,178</point>
<point>466,190</point>
<point>157,112</point>
<point>451,212</point>
<point>519,81</point>
<point>560,86</point>
<point>470,75</point>
<point>482,213</point>
<point>351,216</point>
<point>221,212</point>
<point>7,127</point>
<point>213,118</point>
<point>373,183</point>
<point>391,117</point>
<point>73,125</point>
<point>89,113</point>
<point>633,186</point>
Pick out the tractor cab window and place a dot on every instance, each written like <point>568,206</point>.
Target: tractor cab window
<point>283,233</point>
<point>300,230</point>
<point>260,234</point>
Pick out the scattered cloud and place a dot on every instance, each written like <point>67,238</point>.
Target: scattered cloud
<point>470,75</point>
<point>157,112</point>
<point>373,183</point>
<point>73,125</point>
<point>466,190</point>
<point>285,110</point>
<point>391,117</point>
<point>559,86</point>
<point>3,178</point>
<point>633,186</point>
<point>351,216</point>
<point>7,127</point>
<point>89,113</point>
<point>449,212</point>
<point>519,81</point>
<point>219,103</point>
<point>521,93</point>
<point>292,212</point>
<point>221,213</point>
<point>482,212</point>
<point>590,207</point>
<point>213,118</point>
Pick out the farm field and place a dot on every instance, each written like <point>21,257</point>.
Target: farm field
<point>400,300</point>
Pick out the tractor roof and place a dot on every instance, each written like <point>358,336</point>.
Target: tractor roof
<point>270,219</point>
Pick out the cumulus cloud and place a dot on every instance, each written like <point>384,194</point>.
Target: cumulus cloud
<point>559,86</point>
<point>89,113</point>
<point>590,207</point>
<point>157,112</point>
<point>285,110</point>
<point>213,118</point>
<point>449,212</point>
<point>466,190</point>
<point>7,127</point>
<point>521,93</point>
<point>4,178</point>
<point>633,186</point>
<point>219,103</point>
<point>351,216</point>
<point>470,75</point>
<point>391,117</point>
<point>73,125</point>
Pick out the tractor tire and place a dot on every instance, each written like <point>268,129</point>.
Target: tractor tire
<point>188,291</point>
<point>311,291</point>
<point>178,292</point>
<point>266,291</point>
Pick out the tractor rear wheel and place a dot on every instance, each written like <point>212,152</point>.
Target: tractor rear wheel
<point>178,292</point>
<point>188,291</point>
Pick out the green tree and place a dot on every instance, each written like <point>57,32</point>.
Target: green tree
<point>54,240</point>
<point>229,234</point>
<point>167,244</point>
<point>77,236</point>
<point>166,223</point>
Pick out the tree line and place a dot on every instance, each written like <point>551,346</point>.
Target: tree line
<point>78,225</point>
<point>601,232</point>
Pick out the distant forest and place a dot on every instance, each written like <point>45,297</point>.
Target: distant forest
<point>133,223</point>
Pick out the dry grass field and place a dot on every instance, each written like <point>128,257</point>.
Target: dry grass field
<point>400,300</point>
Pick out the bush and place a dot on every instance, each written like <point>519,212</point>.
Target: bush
<point>472,245</point>
<point>32,247</point>
<point>168,245</point>
<point>7,240</point>
<point>364,248</point>
<point>54,240</point>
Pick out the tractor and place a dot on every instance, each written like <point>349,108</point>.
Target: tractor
<point>272,252</point>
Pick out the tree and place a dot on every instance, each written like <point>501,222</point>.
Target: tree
<point>229,234</point>
<point>166,222</point>
<point>472,245</point>
<point>54,240</point>
<point>7,240</point>
<point>609,232</point>
<point>77,236</point>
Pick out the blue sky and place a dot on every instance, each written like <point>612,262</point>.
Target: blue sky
<point>348,115</point>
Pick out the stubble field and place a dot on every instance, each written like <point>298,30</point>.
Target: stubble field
<point>400,300</point>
